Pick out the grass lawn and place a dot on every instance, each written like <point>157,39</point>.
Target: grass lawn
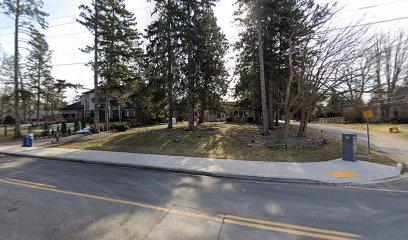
<point>212,140</point>
<point>379,128</point>
<point>10,133</point>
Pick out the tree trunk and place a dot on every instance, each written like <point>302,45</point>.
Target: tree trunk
<point>191,115</point>
<point>37,118</point>
<point>287,104</point>
<point>169,68</point>
<point>262,79</point>
<point>277,117</point>
<point>17,129</point>
<point>120,113</point>
<point>106,109</point>
<point>191,98</point>
<point>270,111</point>
<point>302,122</point>
<point>96,83</point>
<point>286,132</point>
<point>201,116</point>
<point>23,98</point>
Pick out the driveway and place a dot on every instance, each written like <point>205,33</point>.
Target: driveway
<point>394,147</point>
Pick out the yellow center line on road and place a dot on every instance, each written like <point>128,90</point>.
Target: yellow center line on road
<point>278,224</point>
<point>31,183</point>
<point>279,227</point>
<point>286,230</point>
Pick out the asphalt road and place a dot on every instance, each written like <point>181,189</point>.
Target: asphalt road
<point>43,199</point>
<point>396,148</point>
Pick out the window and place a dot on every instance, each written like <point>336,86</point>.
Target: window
<point>128,113</point>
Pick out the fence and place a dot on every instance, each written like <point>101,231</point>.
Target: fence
<point>7,131</point>
<point>331,120</point>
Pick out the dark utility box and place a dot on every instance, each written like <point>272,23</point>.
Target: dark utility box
<point>349,141</point>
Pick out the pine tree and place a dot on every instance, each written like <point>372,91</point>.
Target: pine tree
<point>38,66</point>
<point>119,52</point>
<point>163,53</point>
<point>90,19</point>
<point>190,24</point>
<point>211,84</point>
<point>26,13</point>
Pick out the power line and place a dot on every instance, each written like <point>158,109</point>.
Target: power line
<point>383,4</point>
<point>366,24</point>
<point>69,64</point>
<point>67,34</point>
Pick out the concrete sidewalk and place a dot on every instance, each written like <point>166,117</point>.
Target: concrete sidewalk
<point>359,172</point>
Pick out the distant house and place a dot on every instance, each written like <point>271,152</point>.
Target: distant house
<point>85,108</point>
<point>228,109</point>
<point>72,111</point>
<point>398,104</point>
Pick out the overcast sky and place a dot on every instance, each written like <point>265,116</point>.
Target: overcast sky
<point>65,36</point>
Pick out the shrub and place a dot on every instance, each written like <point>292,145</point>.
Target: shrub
<point>9,120</point>
<point>120,126</point>
<point>83,123</point>
<point>229,119</point>
<point>399,120</point>
<point>76,126</point>
<point>46,130</point>
<point>250,119</point>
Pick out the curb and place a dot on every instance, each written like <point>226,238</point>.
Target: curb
<point>205,173</point>
<point>180,171</point>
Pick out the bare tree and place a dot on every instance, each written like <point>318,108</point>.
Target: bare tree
<point>324,55</point>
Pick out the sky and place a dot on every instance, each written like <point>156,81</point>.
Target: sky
<point>65,36</point>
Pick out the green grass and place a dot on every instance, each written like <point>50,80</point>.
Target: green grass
<point>215,145</point>
<point>379,128</point>
<point>10,133</point>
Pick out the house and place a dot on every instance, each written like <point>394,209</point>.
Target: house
<point>228,109</point>
<point>72,111</point>
<point>398,104</point>
<point>85,108</point>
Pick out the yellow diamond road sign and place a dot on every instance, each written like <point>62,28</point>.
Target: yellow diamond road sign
<point>368,114</point>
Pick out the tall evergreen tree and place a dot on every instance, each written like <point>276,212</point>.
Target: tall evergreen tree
<point>119,49</point>
<point>211,84</point>
<point>191,22</point>
<point>26,14</point>
<point>163,52</point>
<point>90,19</point>
<point>38,66</point>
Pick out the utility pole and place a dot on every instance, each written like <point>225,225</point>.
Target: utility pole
<point>262,78</point>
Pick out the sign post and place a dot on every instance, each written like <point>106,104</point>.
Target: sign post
<point>368,114</point>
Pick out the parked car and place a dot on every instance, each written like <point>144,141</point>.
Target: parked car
<point>83,131</point>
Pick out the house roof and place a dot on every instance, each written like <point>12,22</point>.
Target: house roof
<point>74,106</point>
